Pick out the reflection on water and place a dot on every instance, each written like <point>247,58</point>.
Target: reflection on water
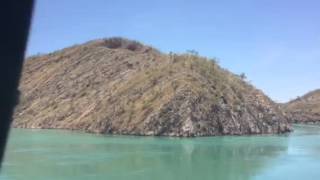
<point>52,154</point>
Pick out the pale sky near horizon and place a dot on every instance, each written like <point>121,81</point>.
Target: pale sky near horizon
<point>276,43</point>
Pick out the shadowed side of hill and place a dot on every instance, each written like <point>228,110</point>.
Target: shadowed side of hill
<point>118,86</point>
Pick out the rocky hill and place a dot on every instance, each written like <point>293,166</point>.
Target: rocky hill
<point>118,86</point>
<point>305,109</point>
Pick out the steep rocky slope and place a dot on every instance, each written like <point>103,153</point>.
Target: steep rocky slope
<point>118,86</point>
<point>305,109</point>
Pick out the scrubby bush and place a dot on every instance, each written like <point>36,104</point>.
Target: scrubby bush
<point>133,45</point>
<point>117,42</point>
<point>243,76</point>
<point>113,43</point>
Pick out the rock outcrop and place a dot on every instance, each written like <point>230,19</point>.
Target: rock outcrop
<point>118,86</point>
<point>305,109</point>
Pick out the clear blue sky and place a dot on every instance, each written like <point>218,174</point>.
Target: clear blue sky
<point>276,43</point>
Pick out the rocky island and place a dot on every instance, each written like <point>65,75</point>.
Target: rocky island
<point>305,109</point>
<point>119,86</point>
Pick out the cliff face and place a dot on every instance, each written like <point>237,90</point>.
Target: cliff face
<point>117,86</point>
<point>305,109</point>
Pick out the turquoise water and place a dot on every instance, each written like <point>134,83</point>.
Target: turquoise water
<point>54,154</point>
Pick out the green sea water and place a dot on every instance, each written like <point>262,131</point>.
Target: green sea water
<point>55,154</point>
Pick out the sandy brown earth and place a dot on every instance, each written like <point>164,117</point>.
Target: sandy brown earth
<point>118,86</point>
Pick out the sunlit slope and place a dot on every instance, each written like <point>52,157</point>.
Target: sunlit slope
<point>305,109</point>
<point>118,86</point>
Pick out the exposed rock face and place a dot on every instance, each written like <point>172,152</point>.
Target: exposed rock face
<point>118,86</point>
<point>305,109</point>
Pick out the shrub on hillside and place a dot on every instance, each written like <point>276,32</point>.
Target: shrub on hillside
<point>117,42</point>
